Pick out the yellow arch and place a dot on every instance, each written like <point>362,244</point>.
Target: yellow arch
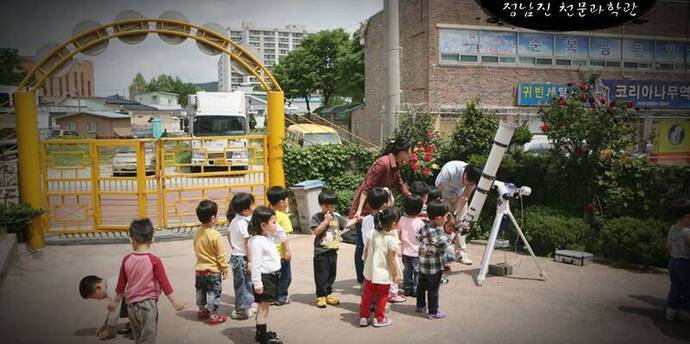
<point>85,40</point>
<point>27,130</point>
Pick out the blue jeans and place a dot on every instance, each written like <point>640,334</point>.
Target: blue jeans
<point>679,295</point>
<point>410,274</point>
<point>209,289</point>
<point>284,281</point>
<point>244,293</point>
<point>359,251</point>
<point>427,291</point>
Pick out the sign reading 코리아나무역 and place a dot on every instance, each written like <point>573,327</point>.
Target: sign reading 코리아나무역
<point>643,93</point>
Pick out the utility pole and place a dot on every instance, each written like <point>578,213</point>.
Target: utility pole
<point>391,42</point>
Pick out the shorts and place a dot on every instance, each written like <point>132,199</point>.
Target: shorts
<point>270,282</point>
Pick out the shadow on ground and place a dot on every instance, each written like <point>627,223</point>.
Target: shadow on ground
<point>655,313</point>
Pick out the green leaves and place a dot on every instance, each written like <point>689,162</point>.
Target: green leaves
<point>11,70</point>
<point>339,166</point>
<point>473,134</point>
<point>164,83</point>
<point>328,62</point>
<point>14,217</point>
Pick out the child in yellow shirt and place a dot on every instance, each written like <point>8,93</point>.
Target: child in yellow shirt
<point>211,264</point>
<point>278,198</point>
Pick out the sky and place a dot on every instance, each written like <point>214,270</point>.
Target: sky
<point>28,25</point>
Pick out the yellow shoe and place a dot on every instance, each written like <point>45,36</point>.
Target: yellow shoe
<point>321,302</point>
<point>331,300</point>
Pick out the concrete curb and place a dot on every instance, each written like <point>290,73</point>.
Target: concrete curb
<point>8,250</point>
<point>109,238</point>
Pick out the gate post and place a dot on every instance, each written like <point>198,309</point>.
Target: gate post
<point>29,163</point>
<point>276,136</point>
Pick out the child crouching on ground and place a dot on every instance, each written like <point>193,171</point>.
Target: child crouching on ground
<point>94,287</point>
<point>678,243</point>
<point>433,245</point>
<point>265,269</point>
<point>142,277</point>
<point>211,264</point>
<point>381,268</point>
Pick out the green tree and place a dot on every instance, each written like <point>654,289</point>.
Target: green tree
<point>166,83</point>
<point>137,86</point>
<point>350,64</point>
<point>328,62</point>
<point>11,69</point>
<point>473,134</point>
<point>296,76</point>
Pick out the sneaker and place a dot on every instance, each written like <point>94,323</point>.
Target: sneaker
<point>671,314</point>
<point>464,259</point>
<point>385,322</point>
<point>421,310</point>
<point>439,315</point>
<point>321,302</point>
<point>239,315</point>
<point>282,302</point>
<point>332,300</point>
<point>216,319</point>
<point>396,299</point>
<point>363,322</point>
<point>269,335</point>
<point>444,280</point>
<point>683,315</point>
<point>203,314</point>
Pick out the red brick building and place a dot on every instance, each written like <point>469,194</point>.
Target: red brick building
<point>450,54</point>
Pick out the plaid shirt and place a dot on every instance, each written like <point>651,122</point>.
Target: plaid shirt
<point>433,245</point>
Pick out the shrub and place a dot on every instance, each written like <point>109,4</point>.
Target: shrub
<point>345,199</point>
<point>548,229</point>
<point>473,134</point>
<point>15,217</point>
<point>634,241</point>
<point>521,135</point>
<point>326,162</point>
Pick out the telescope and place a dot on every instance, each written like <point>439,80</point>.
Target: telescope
<point>505,191</point>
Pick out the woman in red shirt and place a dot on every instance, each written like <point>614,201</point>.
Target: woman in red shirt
<point>384,173</point>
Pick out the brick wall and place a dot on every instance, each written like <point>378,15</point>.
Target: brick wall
<point>423,80</point>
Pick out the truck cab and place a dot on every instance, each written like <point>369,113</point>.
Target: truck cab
<point>217,114</point>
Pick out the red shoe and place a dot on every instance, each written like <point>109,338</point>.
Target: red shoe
<point>216,319</point>
<point>203,314</point>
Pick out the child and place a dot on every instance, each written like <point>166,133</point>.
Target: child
<point>451,235</point>
<point>239,214</point>
<point>678,244</point>
<point>142,277</point>
<point>211,264</point>
<point>94,287</point>
<point>434,194</point>
<point>410,224</point>
<point>327,226</point>
<point>278,198</point>
<point>381,268</point>
<point>265,269</point>
<point>433,245</point>
<point>420,189</point>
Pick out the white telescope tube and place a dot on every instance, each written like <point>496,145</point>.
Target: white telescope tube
<point>498,149</point>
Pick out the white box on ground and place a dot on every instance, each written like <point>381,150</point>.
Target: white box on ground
<point>307,199</point>
<point>573,257</point>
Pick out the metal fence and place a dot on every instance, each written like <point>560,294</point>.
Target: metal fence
<point>94,185</point>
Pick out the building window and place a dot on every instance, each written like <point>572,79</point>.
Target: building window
<point>60,85</point>
<point>92,128</point>
<point>76,86</point>
<point>489,59</point>
<point>468,58</point>
<point>269,33</point>
<point>284,51</point>
<point>254,32</point>
<point>284,34</point>
<point>254,44</point>
<point>72,126</point>
<point>81,76</point>
<point>284,40</point>
<point>88,88</point>
<point>269,39</point>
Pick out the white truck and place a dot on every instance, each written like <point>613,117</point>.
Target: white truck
<point>219,114</point>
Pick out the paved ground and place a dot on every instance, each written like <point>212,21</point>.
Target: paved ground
<point>40,304</point>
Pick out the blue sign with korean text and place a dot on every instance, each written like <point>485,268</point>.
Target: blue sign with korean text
<point>643,93</point>
<point>497,43</point>
<point>535,44</point>
<point>638,50</point>
<point>669,51</point>
<point>605,47</point>
<point>536,94</point>
<point>648,94</point>
<point>572,46</point>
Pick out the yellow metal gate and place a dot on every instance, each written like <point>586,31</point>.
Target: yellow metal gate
<point>96,185</point>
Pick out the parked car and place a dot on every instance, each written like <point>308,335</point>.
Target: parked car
<point>312,135</point>
<point>539,144</point>
<point>59,133</point>
<point>125,161</point>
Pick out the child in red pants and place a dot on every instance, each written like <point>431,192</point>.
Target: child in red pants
<point>380,266</point>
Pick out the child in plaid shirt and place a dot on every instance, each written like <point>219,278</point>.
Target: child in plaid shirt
<point>433,246</point>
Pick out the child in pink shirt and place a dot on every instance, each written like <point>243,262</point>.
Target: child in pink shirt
<point>409,226</point>
<point>142,277</point>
